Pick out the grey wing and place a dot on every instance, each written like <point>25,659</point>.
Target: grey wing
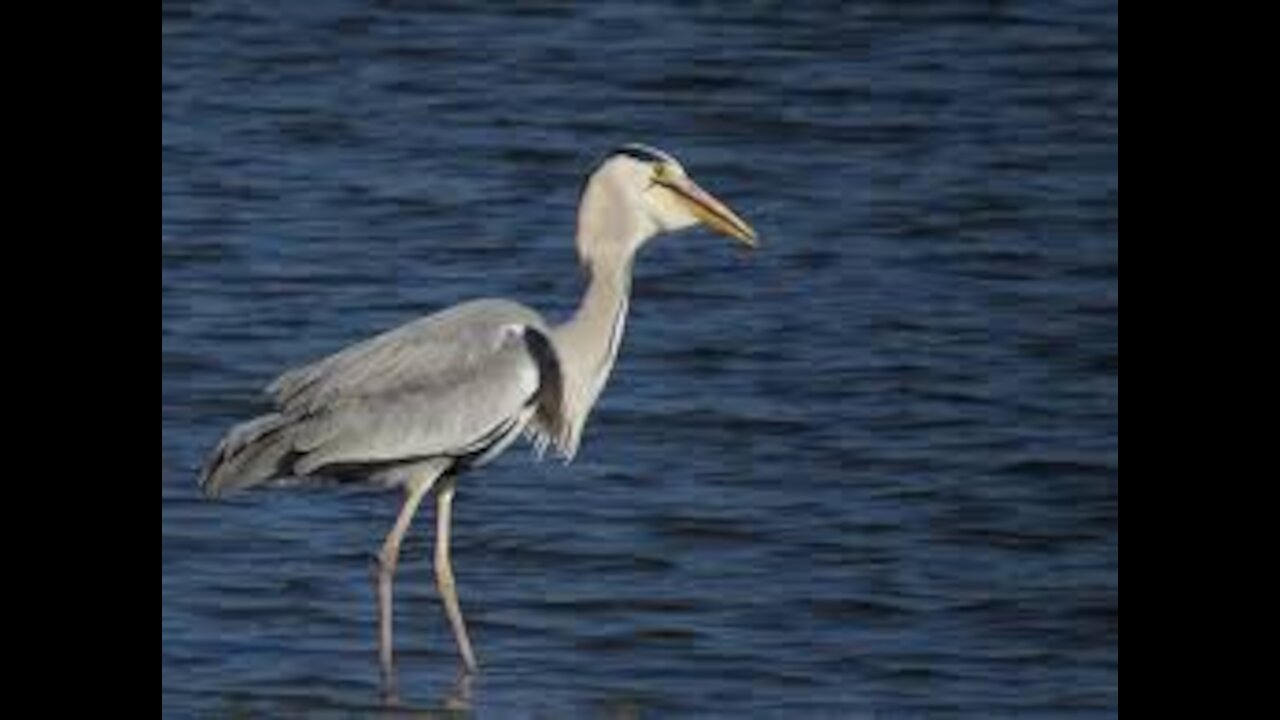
<point>456,383</point>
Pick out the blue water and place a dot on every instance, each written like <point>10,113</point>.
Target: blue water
<point>870,470</point>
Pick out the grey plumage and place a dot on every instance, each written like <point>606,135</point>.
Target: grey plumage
<point>420,404</point>
<point>451,384</point>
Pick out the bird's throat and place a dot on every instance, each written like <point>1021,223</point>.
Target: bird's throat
<point>588,343</point>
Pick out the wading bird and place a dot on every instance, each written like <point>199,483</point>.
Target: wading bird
<point>417,406</point>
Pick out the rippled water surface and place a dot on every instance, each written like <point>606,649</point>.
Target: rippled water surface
<point>868,471</point>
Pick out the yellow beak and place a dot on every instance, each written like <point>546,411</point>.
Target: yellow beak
<point>709,210</point>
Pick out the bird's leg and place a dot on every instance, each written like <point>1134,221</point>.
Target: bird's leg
<point>444,573</point>
<point>387,559</point>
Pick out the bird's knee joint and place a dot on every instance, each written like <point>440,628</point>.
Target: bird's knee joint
<point>385,561</point>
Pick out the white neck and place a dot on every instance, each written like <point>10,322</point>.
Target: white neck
<point>588,344</point>
<point>613,223</point>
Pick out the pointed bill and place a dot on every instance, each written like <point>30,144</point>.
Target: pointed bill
<point>711,211</point>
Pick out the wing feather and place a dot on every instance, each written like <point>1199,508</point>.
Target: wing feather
<point>436,386</point>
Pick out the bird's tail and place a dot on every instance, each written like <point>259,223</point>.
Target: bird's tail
<point>252,453</point>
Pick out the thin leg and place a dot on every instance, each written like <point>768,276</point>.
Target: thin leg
<point>388,557</point>
<point>444,573</point>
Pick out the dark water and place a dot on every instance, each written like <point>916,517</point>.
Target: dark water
<point>869,471</point>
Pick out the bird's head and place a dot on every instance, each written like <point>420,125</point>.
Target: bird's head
<point>637,192</point>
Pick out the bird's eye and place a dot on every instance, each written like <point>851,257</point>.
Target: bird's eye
<point>660,172</point>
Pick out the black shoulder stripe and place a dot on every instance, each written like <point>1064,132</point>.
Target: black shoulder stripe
<point>550,390</point>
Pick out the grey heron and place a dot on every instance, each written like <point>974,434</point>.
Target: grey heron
<point>417,406</point>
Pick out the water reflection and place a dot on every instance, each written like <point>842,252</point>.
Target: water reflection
<point>456,698</point>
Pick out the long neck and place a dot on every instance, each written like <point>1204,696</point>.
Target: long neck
<point>588,343</point>
<point>611,229</point>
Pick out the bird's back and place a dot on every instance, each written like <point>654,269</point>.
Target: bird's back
<point>457,384</point>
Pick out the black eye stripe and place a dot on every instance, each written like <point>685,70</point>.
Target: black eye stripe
<point>643,153</point>
<point>635,151</point>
